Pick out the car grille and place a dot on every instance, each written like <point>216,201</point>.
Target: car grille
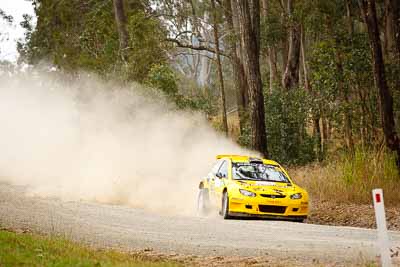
<point>272,209</point>
<point>272,196</point>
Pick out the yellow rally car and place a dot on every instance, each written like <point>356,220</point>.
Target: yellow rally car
<point>246,186</point>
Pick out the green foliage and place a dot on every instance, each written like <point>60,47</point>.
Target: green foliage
<point>8,18</point>
<point>340,67</point>
<point>163,78</point>
<point>392,75</point>
<point>244,138</point>
<point>145,45</point>
<point>199,102</point>
<point>327,18</point>
<point>32,250</point>
<point>286,121</point>
<point>273,29</point>
<point>325,77</point>
<point>75,35</point>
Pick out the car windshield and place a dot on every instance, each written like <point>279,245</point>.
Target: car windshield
<point>258,172</point>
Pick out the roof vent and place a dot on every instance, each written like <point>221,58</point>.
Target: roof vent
<point>256,160</point>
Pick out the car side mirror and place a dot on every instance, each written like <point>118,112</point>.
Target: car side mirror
<point>220,175</point>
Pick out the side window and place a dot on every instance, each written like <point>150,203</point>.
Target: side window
<point>216,167</point>
<point>224,169</point>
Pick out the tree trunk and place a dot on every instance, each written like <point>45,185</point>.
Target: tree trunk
<point>239,55</point>
<point>346,94</point>
<point>395,7</point>
<point>304,61</point>
<point>325,134</point>
<point>390,39</point>
<point>392,28</point>
<point>392,33</point>
<point>290,77</point>
<point>343,90</point>
<point>271,52</point>
<point>317,136</point>
<point>364,111</point>
<point>121,21</point>
<point>386,100</point>
<point>249,25</point>
<point>240,82</point>
<point>273,69</point>
<point>350,24</point>
<point>219,67</point>
<point>284,43</point>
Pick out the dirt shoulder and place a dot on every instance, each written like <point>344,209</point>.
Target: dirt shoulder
<point>348,214</point>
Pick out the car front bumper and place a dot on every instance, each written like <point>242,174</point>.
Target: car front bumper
<point>268,208</point>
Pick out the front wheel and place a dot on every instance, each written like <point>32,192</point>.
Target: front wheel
<point>301,220</point>
<point>202,202</point>
<point>225,206</point>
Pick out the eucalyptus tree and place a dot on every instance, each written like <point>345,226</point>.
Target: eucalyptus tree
<point>290,77</point>
<point>233,45</point>
<point>249,30</point>
<point>219,67</point>
<point>121,21</point>
<point>368,9</point>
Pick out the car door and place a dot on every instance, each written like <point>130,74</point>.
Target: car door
<point>220,181</point>
<point>212,176</point>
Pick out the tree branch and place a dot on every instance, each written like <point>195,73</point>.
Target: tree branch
<point>194,47</point>
<point>193,54</point>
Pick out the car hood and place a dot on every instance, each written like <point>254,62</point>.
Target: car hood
<point>267,187</point>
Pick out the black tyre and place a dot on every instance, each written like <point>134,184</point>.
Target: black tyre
<point>225,206</point>
<point>301,220</point>
<point>203,202</point>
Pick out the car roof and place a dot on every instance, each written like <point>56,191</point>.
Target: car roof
<point>241,158</point>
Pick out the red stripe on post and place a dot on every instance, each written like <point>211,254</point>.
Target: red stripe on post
<point>378,198</point>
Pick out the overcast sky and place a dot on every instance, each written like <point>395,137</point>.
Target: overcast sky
<point>15,8</point>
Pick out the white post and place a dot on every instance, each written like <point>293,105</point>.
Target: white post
<point>383,240</point>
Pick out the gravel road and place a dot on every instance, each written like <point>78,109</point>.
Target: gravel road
<point>122,227</point>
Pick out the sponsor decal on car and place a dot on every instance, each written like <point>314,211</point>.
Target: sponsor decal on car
<point>265,183</point>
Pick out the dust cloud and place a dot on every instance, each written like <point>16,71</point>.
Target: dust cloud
<point>86,139</point>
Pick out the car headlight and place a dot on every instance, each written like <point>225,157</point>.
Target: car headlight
<point>247,193</point>
<point>296,196</point>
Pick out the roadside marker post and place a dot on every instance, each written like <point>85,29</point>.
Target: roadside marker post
<point>383,239</point>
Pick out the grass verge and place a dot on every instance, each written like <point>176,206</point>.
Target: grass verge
<point>350,178</point>
<point>26,249</point>
<point>34,250</point>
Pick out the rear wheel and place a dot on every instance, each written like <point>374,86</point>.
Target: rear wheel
<point>225,206</point>
<point>203,202</point>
